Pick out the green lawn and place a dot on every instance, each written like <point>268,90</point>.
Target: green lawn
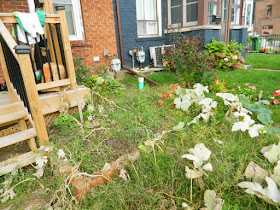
<point>263,61</point>
<point>267,81</point>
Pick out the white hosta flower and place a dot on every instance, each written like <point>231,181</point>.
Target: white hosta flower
<point>180,91</point>
<point>198,155</point>
<point>239,126</point>
<point>271,193</point>
<point>200,87</point>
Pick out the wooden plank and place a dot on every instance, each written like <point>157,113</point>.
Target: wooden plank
<point>19,161</point>
<point>17,137</point>
<point>67,50</point>
<point>11,117</point>
<point>10,18</point>
<point>31,142</point>
<point>51,102</point>
<point>10,108</point>
<point>33,98</point>
<point>53,84</point>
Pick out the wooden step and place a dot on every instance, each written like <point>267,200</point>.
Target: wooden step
<point>17,137</point>
<point>10,108</point>
<point>11,117</point>
<point>19,161</point>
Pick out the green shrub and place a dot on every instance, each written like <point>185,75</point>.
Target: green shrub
<point>83,73</point>
<point>191,64</point>
<point>225,57</point>
<point>105,85</point>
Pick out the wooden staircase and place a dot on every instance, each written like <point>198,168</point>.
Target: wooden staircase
<point>9,115</point>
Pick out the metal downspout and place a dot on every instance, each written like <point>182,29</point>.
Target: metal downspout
<point>121,48</point>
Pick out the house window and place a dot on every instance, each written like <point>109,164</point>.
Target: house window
<point>248,15</point>
<point>148,17</point>
<point>212,10</point>
<point>268,10</point>
<point>73,17</point>
<point>182,13</point>
<point>268,27</point>
<point>235,12</point>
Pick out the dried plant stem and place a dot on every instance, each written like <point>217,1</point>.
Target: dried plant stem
<point>111,102</point>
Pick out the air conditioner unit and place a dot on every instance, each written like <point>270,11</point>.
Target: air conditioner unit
<point>157,54</point>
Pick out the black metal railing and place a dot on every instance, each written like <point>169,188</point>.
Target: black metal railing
<point>14,72</point>
<point>56,67</point>
<point>270,43</point>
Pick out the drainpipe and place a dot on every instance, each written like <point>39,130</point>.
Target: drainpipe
<point>121,48</point>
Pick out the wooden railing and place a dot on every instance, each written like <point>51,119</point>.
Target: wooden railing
<point>57,52</point>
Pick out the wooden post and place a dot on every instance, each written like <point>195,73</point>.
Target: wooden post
<point>32,94</point>
<point>67,47</point>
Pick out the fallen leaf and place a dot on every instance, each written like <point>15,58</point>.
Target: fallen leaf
<point>198,154</point>
<point>107,167</point>
<point>255,172</point>
<point>208,167</point>
<point>193,174</point>
<point>211,202</point>
<point>179,127</point>
<point>39,173</point>
<point>276,173</point>
<point>124,175</point>
<point>272,152</point>
<point>61,154</point>
<point>218,141</point>
<point>270,194</point>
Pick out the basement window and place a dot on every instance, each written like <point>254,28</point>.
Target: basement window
<point>73,17</point>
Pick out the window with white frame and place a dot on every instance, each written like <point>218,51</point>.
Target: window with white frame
<point>182,13</point>
<point>73,17</point>
<point>235,12</point>
<point>148,17</point>
<point>212,10</point>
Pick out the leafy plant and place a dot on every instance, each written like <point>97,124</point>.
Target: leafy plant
<point>83,73</point>
<point>225,57</point>
<point>263,114</point>
<point>105,85</point>
<point>191,65</point>
<point>218,86</point>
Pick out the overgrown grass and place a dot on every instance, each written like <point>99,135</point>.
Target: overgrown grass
<point>156,182</point>
<point>264,61</point>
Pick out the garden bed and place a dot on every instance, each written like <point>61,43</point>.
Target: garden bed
<point>157,180</point>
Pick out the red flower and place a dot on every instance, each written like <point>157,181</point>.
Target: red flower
<point>276,93</point>
<point>276,101</point>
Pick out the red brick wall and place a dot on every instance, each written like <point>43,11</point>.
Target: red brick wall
<point>99,27</point>
<point>98,20</point>
<point>11,6</point>
<point>261,18</point>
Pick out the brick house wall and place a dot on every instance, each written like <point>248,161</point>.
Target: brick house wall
<point>11,6</point>
<point>99,28</point>
<point>261,18</point>
<point>98,20</point>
